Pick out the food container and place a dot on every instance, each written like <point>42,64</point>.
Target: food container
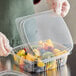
<point>49,36</point>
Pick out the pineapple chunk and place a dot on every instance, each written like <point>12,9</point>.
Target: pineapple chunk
<point>40,63</point>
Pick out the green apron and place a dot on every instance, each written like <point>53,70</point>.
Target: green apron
<point>9,11</point>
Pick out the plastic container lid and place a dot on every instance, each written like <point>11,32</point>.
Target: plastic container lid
<point>43,26</point>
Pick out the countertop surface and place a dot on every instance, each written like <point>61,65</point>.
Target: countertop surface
<point>7,63</point>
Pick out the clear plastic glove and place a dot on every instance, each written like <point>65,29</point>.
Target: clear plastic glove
<point>61,7</point>
<point>4,45</point>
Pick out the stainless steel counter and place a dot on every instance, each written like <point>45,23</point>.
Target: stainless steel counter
<point>7,63</point>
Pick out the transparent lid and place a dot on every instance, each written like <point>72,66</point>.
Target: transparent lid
<point>43,26</point>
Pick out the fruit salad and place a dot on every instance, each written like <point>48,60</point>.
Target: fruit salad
<point>44,50</point>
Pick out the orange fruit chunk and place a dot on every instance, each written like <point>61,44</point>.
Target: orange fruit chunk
<point>49,43</point>
<point>30,57</point>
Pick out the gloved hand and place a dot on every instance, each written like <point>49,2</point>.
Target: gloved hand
<point>4,45</point>
<point>61,7</point>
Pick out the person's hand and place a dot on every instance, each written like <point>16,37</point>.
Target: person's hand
<point>4,45</point>
<point>61,7</point>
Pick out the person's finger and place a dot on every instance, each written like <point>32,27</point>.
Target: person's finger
<point>54,5</point>
<point>57,6</point>
<point>8,48</point>
<point>7,45</point>
<point>3,51</point>
<point>4,37</point>
<point>65,8</point>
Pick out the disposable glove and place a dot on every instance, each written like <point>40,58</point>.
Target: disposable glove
<point>5,48</point>
<point>61,7</point>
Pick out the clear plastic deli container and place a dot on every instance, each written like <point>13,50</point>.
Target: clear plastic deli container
<point>49,39</point>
